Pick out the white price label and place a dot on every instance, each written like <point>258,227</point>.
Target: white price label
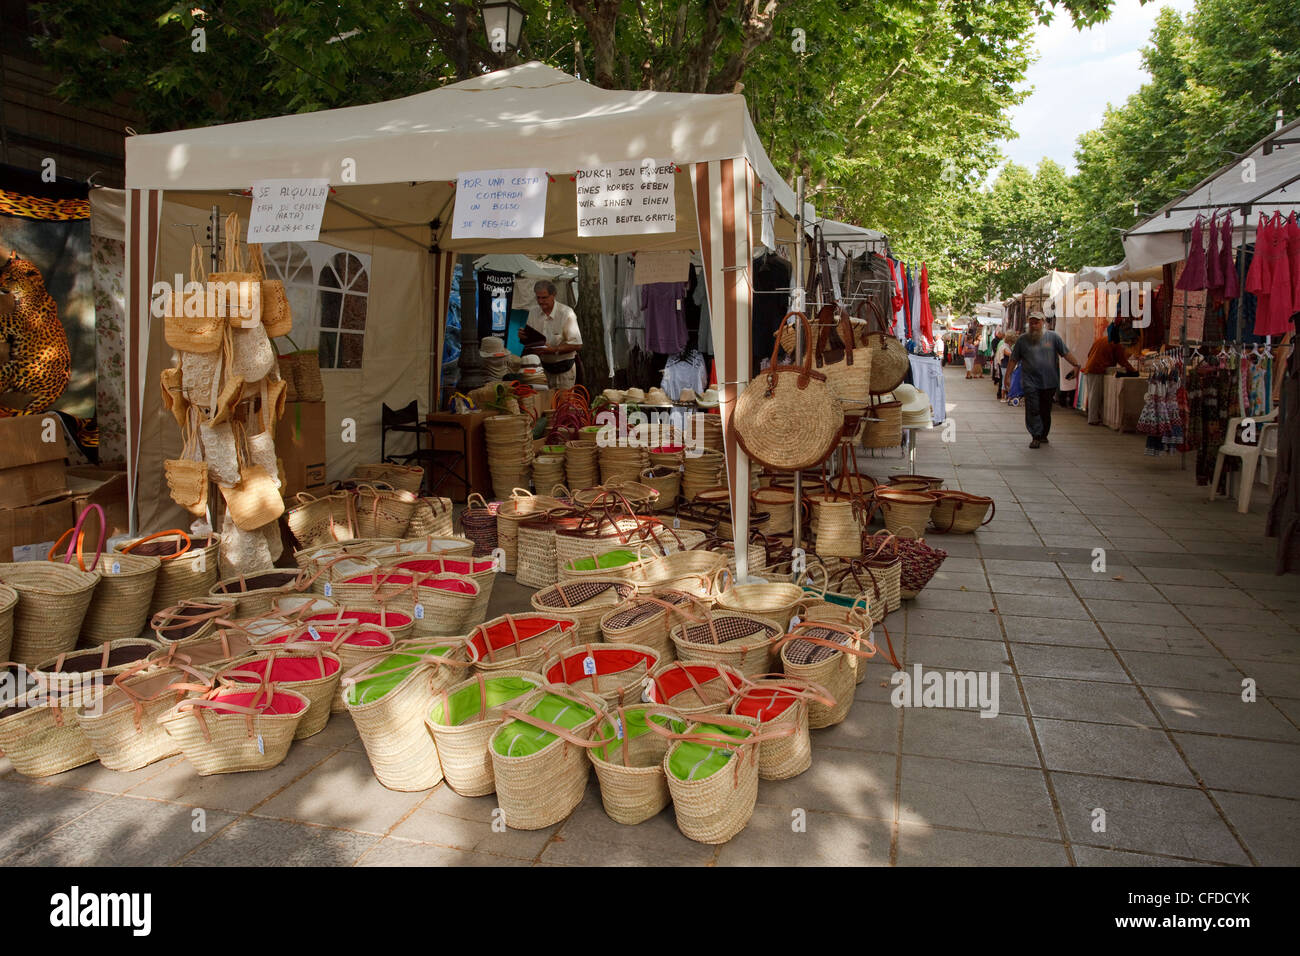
<point>315,634</point>
<point>419,612</point>
<point>329,589</point>
<point>618,728</point>
<point>648,691</point>
<point>589,665</point>
<point>677,522</point>
<point>794,622</point>
<point>261,747</point>
<point>117,567</point>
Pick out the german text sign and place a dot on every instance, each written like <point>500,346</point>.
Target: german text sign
<point>627,198</point>
<point>287,210</point>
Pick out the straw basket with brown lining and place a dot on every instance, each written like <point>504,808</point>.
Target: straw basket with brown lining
<point>315,521</point>
<point>741,641</point>
<point>694,689</point>
<point>401,477</point>
<point>120,607</point>
<point>8,601</point>
<point>827,652</point>
<point>106,660</point>
<point>431,517</point>
<point>253,594</point>
<point>311,671</point>
<point>586,601</point>
<point>39,732</point>
<point>520,506</point>
<point>776,703</point>
<point>629,764</point>
<point>190,619</point>
<point>665,480</point>
<point>882,425</point>
<point>189,565</point>
<point>383,511</point>
<point>389,697</point>
<point>647,619</point>
<point>123,726</point>
<point>52,603</point>
<point>904,510</point>
<point>958,512</point>
<point>233,729</point>
<point>207,654</point>
<point>463,719</point>
<point>538,758</point>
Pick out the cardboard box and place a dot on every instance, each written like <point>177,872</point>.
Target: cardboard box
<point>27,534</point>
<point>105,487</point>
<point>300,446</point>
<point>32,469</point>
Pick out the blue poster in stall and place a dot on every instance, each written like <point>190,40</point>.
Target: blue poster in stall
<point>500,313</point>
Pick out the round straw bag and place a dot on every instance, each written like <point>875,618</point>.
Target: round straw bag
<point>480,524</point>
<point>52,603</point>
<point>190,620</point>
<point>779,504</point>
<point>431,517</point>
<point>463,719</point>
<point>665,480</point>
<point>383,512</point>
<point>883,425</point>
<point>8,601</point>
<point>613,673</point>
<point>961,513</point>
<point>775,601</point>
<point>742,642</point>
<point>389,697</point>
<point>351,640</point>
<point>277,317</point>
<point>712,773</point>
<point>629,763</point>
<point>538,758</point>
<point>315,521</point>
<point>39,732</point>
<point>904,510</point>
<point>847,369</point>
<point>585,601</point>
<point>521,641</point>
<point>401,477</point>
<point>123,727</point>
<point>889,361</point>
<point>827,652</point>
<point>232,729</point>
<point>775,704</point>
<point>646,620</point>
<point>920,564</point>
<point>189,565</point>
<point>520,506</point>
<point>693,689</point>
<point>311,671</point>
<point>253,594</point>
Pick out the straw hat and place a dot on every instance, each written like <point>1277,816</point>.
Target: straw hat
<point>613,395</point>
<point>634,395</point>
<point>491,345</point>
<point>530,361</point>
<point>912,398</point>
<point>709,399</point>
<point>657,396</point>
<point>687,395</point>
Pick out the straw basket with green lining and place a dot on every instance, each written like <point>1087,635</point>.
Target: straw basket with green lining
<point>623,564</point>
<point>463,719</point>
<point>777,703</point>
<point>630,763</point>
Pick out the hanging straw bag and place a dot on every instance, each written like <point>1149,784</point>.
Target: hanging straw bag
<point>188,326</point>
<point>463,719</point>
<point>837,525</point>
<point>847,369</point>
<point>233,729</point>
<point>255,500</point>
<point>242,288</point>
<point>781,396</point>
<point>958,512</point>
<point>277,317</point>
<point>629,763</point>
<point>882,425</point>
<point>585,601</point>
<point>52,603</point>
<point>187,476</point>
<point>174,399</point>
<point>776,703</point>
<point>261,444</point>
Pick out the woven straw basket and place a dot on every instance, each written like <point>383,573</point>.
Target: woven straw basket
<point>383,512</point>
<point>743,642</point>
<point>777,704</point>
<point>630,764</point>
<point>190,620</point>
<point>431,517</point>
<point>586,601</point>
<point>402,477</point>
<point>463,719</point>
<point>714,808</point>
<point>825,652</point>
<point>8,601</point>
<point>520,506</point>
<point>521,641</point>
<point>52,603</point>
<point>189,565</point>
<point>694,689</point>
<point>312,672</point>
<point>646,619</point>
<point>120,606</point>
<point>254,594</point>
<point>232,729</point>
<point>104,661</point>
<point>123,728</point>
<point>40,735</point>
<point>779,504</point>
<point>961,513</point>
<point>480,524</point>
<point>774,601</point>
<point>349,639</point>
<point>315,521</point>
<point>905,510</point>
<point>613,673</point>
<point>207,654</point>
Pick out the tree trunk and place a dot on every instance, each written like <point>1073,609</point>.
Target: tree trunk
<point>591,323</point>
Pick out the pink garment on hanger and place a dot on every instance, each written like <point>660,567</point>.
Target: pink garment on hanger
<point>1293,258</point>
<point>1231,284</point>
<point>1213,265</point>
<point>927,316</point>
<point>1276,318</point>
<point>1193,277</point>
<point>1257,280</point>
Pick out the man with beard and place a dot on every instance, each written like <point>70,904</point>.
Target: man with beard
<point>1036,352</point>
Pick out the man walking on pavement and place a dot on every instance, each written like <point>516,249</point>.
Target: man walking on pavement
<point>1036,352</point>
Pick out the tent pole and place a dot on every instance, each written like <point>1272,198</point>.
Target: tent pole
<point>796,529</point>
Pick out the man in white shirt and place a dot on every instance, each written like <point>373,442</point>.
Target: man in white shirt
<point>559,324</point>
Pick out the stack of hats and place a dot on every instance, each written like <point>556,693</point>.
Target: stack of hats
<point>917,412</point>
<point>530,371</point>
<point>657,397</point>
<point>495,357</point>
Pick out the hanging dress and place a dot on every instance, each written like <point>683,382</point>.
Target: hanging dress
<point>1213,264</point>
<point>1275,318</point>
<point>1228,264</point>
<point>1193,277</point>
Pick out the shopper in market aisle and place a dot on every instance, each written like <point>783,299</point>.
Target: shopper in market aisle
<point>559,324</point>
<point>1035,353</point>
<point>1105,352</point>
<point>1001,360</point>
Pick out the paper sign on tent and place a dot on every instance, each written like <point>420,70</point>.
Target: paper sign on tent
<point>652,267</point>
<point>287,210</point>
<point>629,198</point>
<point>500,204</point>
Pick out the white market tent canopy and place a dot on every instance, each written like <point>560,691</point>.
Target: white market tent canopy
<point>402,159</point>
<point>1265,180</point>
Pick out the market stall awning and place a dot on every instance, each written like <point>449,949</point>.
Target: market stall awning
<point>1266,179</point>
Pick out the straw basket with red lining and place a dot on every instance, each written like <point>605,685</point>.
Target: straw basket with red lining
<point>612,672</point>
<point>521,641</point>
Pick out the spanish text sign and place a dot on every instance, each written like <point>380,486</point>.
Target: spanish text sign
<point>287,210</point>
<point>627,198</point>
<point>500,204</point>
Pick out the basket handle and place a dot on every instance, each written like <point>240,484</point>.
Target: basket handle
<point>161,534</point>
<point>74,534</point>
<point>776,681</point>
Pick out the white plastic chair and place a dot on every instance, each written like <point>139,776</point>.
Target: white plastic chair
<point>1265,446</point>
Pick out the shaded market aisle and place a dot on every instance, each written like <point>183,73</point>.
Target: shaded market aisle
<point>1118,690</point>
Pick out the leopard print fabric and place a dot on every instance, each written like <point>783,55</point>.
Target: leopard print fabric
<point>39,362</point>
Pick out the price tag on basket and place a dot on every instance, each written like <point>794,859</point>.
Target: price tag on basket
<point>329,589</point>
<point>794,622</point>
<point>315,634</point>
<point>117,567</point>
<point>589,665</point>
<point>618,728</point>
<point>261,747</point>
<point>419,612</point>
<point>648,691</point>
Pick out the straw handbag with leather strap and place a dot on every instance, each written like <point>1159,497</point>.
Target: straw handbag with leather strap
<point>847,369</point>
<point>255,500</point>
<point>889,361</point>
<point>243,289</point>
<point>188,326</point>
<point>277,317</point>
<point>172,381</point>
<point>788,418</point>
<point>187,476</point>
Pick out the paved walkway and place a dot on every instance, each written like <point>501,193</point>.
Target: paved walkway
<point>1122,737</point>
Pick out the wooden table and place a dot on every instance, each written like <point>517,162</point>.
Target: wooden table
<point>471,440</point>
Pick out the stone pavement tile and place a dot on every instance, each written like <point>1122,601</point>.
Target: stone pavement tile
<point>1141,753</point>
<point>1086,572</point>
<point>1022,585</point>
<point>932,599</point>
<point>95,776</point>
<point>392,851</point>
<point>1229,548</point>
<point>1246,766</point>
<point>1191,595</point>
<point>1136,612</point>
<point>1206,712</point>
<point>926,846</point>
<point>1088,700</point>
<point>995,539</point>
<point>1184,576</point>
<point>1063,526</point>
<point>1016,552</point>
<point>1163,546</point>
<point>1056,542</point>
<point>1153,637</point>
<point>1034,569</point>
<point>1106,588</point>
<point>1061,608</point>
<point>977,625</point>
<point>1267,824</point>
<point>1091,856</point>
<point>1242,643</point>
<point>965,735</point>
<point>29,811</point>
<point>1254,560</point>
<point>1262,580</point>
<point>1282,601</point>
<point>124,832</point>
<point>1288,706</point>
<point>951,793</point>
<point>237,792</point>
<point>339,732</point>
<point>828,840</point>
<point>590,838</point>
<point>850,782</point>
<point>1153,669</point>
<point>875,687</point>
<point>1164,559</point>
<point>931,650</point>
<point>959,565</point>
<point>958,581</point>
<point>1076,663</point>
<point>342,792</point>
<point>253,842</point>
<point>465,823</point>
<point>868,726</point>
<point>1149,817</point>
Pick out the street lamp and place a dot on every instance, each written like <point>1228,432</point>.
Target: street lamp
<point>504,21</point>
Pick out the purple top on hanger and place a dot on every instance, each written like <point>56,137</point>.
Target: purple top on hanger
<point>665,319</point>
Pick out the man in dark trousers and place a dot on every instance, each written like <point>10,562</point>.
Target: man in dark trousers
<point>1036,352</point>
